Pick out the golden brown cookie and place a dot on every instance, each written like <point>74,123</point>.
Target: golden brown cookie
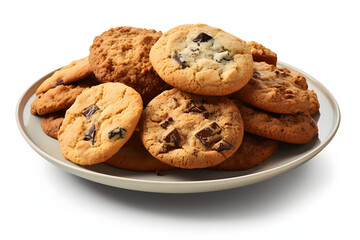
<point>291,128</point>
<point>252,151</point>
<point>134,156</point>
<point>51,123</point>
<point>99,123</point>
<point>261,53</point>
<point>201,59</point>
<point>73,72</point>
<point>122,55</point>
<point>191,131</point>
<point>60,97</point>
<point>278,90</point>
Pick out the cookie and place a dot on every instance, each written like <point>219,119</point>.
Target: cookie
<point>99,123</point>
<point>133,156</point>
<point>50,123</point>
<point>278,90</point>
<point>191,131</point>
<point>203,60</point>
<point>73,72</point>
<point>122,55</point>
<point>290,128</point>
<point>252,151</point>
<point>261,53</point>
<point>60,97</point>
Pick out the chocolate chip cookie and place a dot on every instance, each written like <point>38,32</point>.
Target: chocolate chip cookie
<point>61,96</point>
<point>291,128</point>
<point>73,72</point>
<point>99,123</point>
<point>191,131</point>
<point>278,90</point>
<point>203,60</point>
<point>252,151</point>
<point>122,55</point>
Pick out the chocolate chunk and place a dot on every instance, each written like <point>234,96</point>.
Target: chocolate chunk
<point>202,37</point>
<point>222,145</point>
<point>118,132</point>
<point>205,135</point>
<point>90,111</point>
<point>177,57</point>
<point>173,137</point>
<point>90,134</point>
<point>215,127</point>
<point>58,82</point>
<point>206,115</point>
<point>166,122</point>
<point>171,140</point>
<point>192,107</point>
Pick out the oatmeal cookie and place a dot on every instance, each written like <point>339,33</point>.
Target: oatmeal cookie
<point>122,55</point>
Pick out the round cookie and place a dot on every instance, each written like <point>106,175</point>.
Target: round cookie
<point>252,151</point>
<point>133,156</point>
<point>122,55</point>
<point>278,90</point>
<point>203,60</point>
<point>60,97</point>
<point>73,72</point>
<point>290,128</point>
<point>51,123</point>
<point>191,131</point>
<point>99,123</point>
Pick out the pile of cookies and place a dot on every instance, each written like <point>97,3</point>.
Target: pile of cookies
<point>193,97</point>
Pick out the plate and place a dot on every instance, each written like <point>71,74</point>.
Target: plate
<point>180,180</point>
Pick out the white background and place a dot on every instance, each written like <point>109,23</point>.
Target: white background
<point>320,199</point>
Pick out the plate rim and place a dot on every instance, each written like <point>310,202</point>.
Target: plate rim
<point>181,186</point>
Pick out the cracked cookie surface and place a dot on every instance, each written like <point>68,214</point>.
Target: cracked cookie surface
<point>278,90</point>
<point>61,96</point>
<point>203,60</point>
<point>70,73</point>
<point>291,128</point>
<point>99,123</point>
<point>122,55</point>
<point>191,131</point>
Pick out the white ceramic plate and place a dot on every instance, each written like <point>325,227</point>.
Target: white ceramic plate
<point>178,180</point>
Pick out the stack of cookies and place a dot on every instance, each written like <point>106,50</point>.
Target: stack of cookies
<point>193,97</point>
